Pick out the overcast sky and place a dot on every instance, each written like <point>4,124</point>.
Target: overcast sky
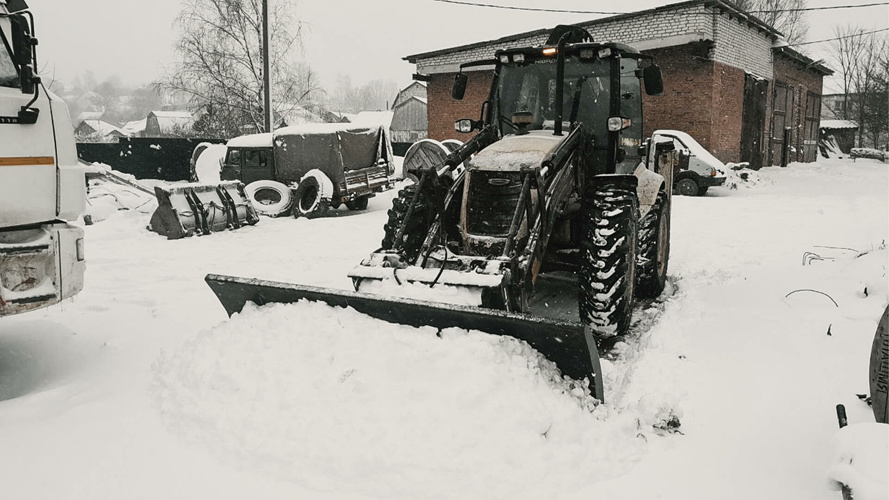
<point>366,40</point>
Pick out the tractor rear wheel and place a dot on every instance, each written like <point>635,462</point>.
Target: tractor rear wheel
<point>654,249</point>
<point>606,277</point>
<point>417,226</point>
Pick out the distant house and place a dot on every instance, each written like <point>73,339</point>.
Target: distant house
<point>98,131</point>
<point>168,124</point>
<point>135,128</point>
<point>410,119</point>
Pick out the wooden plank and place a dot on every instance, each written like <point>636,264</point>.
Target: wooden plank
<point>20,161</point>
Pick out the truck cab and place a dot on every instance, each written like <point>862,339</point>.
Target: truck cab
<point>42,185</point>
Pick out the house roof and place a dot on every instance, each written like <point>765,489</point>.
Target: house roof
<point>724,6</point>
<point>103,128</point>
<point>168,121</point>
<point>797,56</point>
<point>838,124</point>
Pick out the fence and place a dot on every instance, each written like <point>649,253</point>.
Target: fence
<point>167,159</point>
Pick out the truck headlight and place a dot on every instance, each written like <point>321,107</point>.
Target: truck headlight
<point>618,123</point>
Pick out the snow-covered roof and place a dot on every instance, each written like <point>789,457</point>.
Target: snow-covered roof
<point>838,124</point>
<point>383,118</point>
<point>251,141</point>
<point>103,128</point>
<point>168,121</point>
<point>322,128</point>
<point>134,127</point>
<point>693,146</point>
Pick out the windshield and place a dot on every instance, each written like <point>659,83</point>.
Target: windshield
<point>8,74</point>
<point>531,88</point>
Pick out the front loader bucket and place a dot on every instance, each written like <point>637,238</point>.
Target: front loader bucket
<point>201,209</point>
<point>569,345</point>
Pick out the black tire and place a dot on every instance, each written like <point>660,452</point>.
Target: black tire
<point>359,203</point>
<point>653,249</point>
<point>607,272</point>
<point>417,227</point>
<point>309,203</point>
<point>687,186</point>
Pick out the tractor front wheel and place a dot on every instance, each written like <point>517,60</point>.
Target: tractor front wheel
<point>607,273</point>
<point>417,225</point>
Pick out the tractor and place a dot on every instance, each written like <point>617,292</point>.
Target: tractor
<point>557,180</point>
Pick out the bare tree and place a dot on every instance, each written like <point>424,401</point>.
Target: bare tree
<point>376,95</point>
<point>220,69</point>
<point>863,65</point>
<point>783,15</point>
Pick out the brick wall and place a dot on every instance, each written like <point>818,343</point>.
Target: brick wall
<point>802,81</point>
<point>742,46</point>
<point>727,112</point>
<point>688,92</point>
<point>444,111</point>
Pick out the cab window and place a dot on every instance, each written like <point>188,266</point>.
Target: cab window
<point>233,157</point>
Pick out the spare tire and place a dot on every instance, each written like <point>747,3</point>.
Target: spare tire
<point>269,198</point>
<point>310,201</point>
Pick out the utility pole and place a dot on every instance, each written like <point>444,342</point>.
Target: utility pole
<point>266,74</point>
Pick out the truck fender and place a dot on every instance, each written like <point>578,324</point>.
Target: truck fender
<point>649,183</point>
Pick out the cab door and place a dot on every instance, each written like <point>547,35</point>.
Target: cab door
<point>28,160</point>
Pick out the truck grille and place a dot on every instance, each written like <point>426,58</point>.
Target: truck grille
<point>492,202</point>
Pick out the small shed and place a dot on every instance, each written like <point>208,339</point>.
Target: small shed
<point>837,137</point>
<point>168,124</point>
<point>410,121</point>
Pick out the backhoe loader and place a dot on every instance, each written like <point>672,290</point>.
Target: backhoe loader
<point>557,181</point>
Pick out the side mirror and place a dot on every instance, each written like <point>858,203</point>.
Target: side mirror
<point>653,79</point>
<point>459,89</point>
<point>22,45</point>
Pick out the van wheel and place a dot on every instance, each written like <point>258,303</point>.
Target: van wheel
<point>309,202</point>
<point>359,203</point>
<point>269,198</point>
<point>687,187</point>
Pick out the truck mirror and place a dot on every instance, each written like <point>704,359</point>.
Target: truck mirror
<point>654,80</point>
<point>459,89</point>
<point>22,44</point>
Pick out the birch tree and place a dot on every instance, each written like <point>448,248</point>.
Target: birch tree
<point>220,64</point>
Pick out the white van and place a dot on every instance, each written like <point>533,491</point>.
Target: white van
<point>697,169</point>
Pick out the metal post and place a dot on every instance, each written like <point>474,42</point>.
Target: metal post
<point>266,75</point>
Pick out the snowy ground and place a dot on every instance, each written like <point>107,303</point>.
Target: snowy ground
<point>141,387</point>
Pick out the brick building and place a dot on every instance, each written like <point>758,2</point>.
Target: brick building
<point>729,81</point>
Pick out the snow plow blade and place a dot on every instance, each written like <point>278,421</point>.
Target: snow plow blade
<point>569,345</point>
<point>201,209</point>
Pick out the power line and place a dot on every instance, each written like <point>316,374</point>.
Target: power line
<point>840,37</point>
<point>567,11</point>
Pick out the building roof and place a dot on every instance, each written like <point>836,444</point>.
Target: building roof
<point>102,128</point>
<point>724,6</point>
<point>169,121</point>
<point>838,124</point>
<point>789,52</point>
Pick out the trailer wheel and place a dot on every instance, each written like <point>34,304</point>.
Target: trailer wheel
<point>607,273</point>
<point>417,228</point>
<point>269,198</point>
<point>359,203</point>
<point>309,200</point>
<point>654,249</point>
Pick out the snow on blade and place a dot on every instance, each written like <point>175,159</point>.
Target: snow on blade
<point>339,398</point>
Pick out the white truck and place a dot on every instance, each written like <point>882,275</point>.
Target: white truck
<point>42,185</point>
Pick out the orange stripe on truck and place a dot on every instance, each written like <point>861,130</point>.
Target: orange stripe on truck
<point>19,161</point>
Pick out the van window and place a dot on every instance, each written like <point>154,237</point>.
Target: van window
<point>233,157</point>
<point>255,158</point>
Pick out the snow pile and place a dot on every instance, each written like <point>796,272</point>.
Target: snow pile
<point>105,197</point>
<point>209,163</point>
<point>861,460</point>
<point>333,399</point>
